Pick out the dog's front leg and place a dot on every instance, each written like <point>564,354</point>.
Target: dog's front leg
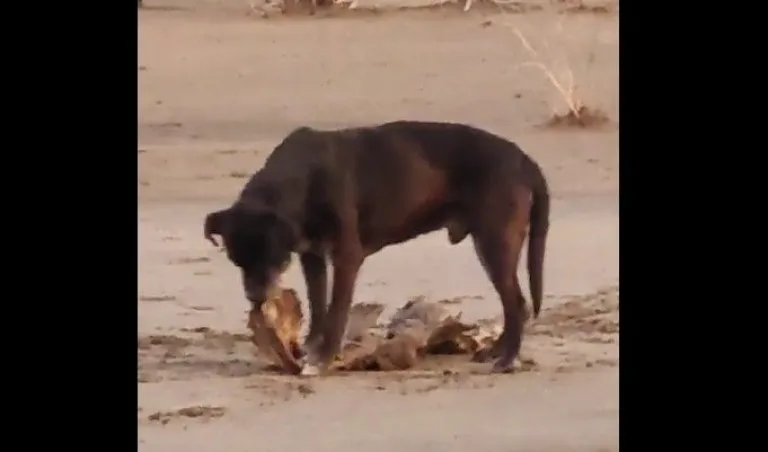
<point>316,278</point>
<point>346,264</point>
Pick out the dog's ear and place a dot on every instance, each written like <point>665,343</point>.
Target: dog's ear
<point>215,222</point>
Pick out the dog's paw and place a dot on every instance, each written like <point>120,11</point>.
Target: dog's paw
<point>310,370</point>
<point>503,367</point>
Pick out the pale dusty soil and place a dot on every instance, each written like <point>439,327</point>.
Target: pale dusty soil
<point>219,88</point>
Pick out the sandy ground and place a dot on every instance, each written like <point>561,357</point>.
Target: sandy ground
<point>218,88</point>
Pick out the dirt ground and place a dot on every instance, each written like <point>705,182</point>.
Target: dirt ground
<point>219,87</point>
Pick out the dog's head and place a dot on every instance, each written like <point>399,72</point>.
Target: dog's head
<point>259,242</point>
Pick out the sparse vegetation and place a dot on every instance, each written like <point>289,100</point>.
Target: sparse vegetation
<point>578,6</point>
<point>561,78</point>
<point>204,412</point>
<point>265,7</point>
<point>584,117</point>
<point>157,298</point>
<point>191,260</point>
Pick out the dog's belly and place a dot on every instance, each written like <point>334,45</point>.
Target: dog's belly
<point>415,198</point>
<point>376,235</point>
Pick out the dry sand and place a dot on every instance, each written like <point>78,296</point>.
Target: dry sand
<point>218,88</point>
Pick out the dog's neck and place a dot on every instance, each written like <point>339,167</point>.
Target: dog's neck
<point>292,218</point>
<point>284,197</point>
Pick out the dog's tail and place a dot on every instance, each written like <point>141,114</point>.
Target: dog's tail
<point>537,235</point>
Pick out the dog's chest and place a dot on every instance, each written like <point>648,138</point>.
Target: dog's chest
<point>377,230</point>
<point>323,247</point>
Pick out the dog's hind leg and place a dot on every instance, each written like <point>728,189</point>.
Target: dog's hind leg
<point>498,242</point>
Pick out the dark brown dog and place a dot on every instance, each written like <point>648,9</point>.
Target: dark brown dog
<point>347,194</point>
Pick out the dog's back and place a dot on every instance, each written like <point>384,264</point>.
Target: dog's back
<point>464,154</point>
<point>406,177</point>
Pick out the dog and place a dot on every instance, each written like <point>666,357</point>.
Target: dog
<point>343,195</point>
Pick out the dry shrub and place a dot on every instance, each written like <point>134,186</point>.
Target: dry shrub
<point>561,6</point>
<point>578,6</point>
<point>584,117</point>
<point>334,7</point>
<point>290,6</point>
<point>266,7</point>
<point>559,74</point>
<point>510,6</point>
